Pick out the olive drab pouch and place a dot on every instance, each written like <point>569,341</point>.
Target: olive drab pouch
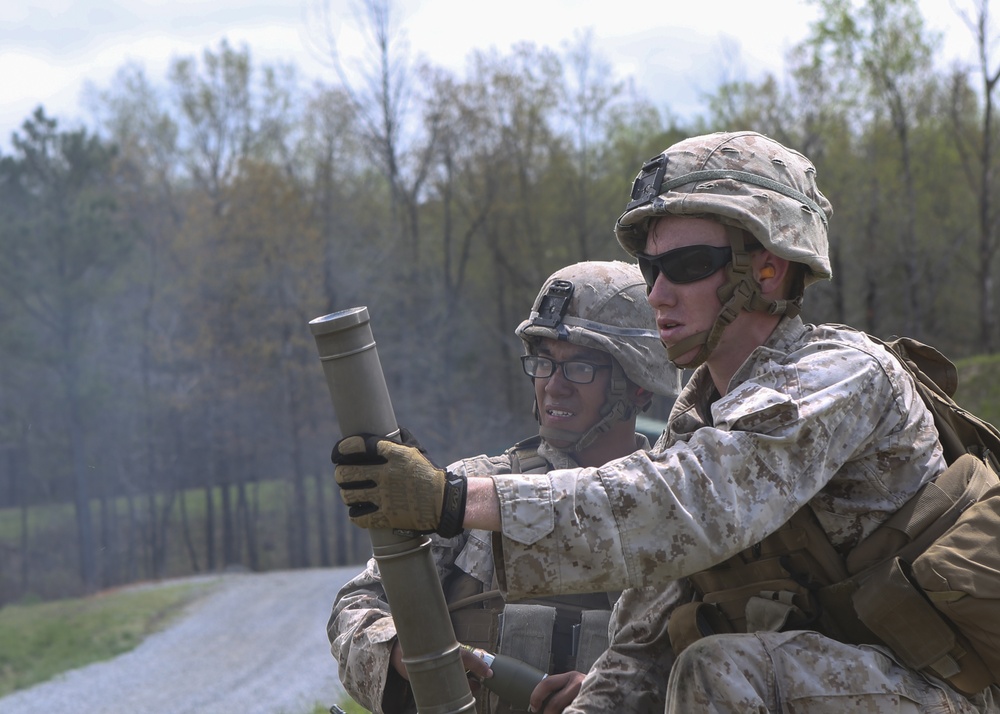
<point>771,586</point>
<point>960,431</point>
<point>691,621</point>
<point>894,607</point>
<point>936,602</point>
<point>960,575</point>
<point>926,582</point>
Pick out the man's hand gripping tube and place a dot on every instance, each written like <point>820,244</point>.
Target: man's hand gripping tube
<point>361,403</point>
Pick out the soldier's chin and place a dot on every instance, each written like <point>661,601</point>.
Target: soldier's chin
<point>560,443</point>
<point>686,358</point>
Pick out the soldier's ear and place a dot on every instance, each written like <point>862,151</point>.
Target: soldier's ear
<point>771,273</point>
<point>642,397</point>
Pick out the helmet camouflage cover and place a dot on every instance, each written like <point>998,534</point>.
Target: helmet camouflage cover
<point>606,310</point>
<point>742,179</point>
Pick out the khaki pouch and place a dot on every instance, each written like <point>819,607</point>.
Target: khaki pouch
<point>893,607</point>
<point>692,621</point>
<point>960,574</point>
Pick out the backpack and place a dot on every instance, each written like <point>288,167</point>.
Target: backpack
<point>925,583</point>
<point>936,600</point>
<point>936,377</point>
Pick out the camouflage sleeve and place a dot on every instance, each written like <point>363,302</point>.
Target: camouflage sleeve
<point>362,633</point>
<point>631,675</point>
<point>778,439</point>
<point>361,630</point>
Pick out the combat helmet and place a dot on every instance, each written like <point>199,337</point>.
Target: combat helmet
<point>747,182</point>
<point>602,305</point>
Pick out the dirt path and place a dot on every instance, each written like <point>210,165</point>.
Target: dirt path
<point>256,645</point>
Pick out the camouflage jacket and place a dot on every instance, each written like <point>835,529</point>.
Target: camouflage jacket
<point>362,633</point>
<point>818,416</point>
<point>631,675</point>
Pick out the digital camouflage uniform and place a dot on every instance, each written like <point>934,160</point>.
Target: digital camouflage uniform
<point>606,310</point>
<point>631,676</point>
<point>823,404</point>
<point>818,417</point>
<point>362,632</point>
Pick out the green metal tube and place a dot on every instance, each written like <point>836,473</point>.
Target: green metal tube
<point>361,403</point>
<point>512,680</point>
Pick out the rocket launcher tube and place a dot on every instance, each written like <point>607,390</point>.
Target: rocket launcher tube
<point>362,405</point>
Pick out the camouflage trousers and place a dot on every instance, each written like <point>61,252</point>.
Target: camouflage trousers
<point>806,673</point>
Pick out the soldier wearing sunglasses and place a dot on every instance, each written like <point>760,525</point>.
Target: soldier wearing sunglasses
<point>591,353</point>
<point>788,447</point>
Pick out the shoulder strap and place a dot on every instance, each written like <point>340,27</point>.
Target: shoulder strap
<point>524,457</point>
<point>960,431</point>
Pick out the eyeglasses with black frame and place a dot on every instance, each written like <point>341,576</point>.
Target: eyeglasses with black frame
<point>575,371</point>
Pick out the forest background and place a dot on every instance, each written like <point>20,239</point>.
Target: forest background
<point>162,407</point>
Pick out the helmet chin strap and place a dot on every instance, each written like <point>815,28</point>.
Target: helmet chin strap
<point>740,292</point>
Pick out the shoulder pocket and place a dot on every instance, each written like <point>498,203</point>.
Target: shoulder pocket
<point>757,409</point>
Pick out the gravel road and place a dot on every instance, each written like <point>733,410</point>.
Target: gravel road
<point>255,645</point>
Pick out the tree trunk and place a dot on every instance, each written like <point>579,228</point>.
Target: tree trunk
<point>188,540</point>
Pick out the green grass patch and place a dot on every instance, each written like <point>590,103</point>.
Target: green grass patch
<point>39,641</point>
<point>979,386</point>
<point>350,707</point>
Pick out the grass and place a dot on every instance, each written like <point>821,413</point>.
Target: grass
<point>348,706</point>
<point>979,386</point>
<point>41,640</point>
<point>352,707</point>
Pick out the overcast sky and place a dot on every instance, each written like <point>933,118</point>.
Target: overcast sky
<point>673,49</point>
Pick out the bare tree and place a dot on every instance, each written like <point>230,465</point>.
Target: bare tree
<point>590,90</point>
<point>978,151</point>
<point>887,42</point>
<point>381,89</point>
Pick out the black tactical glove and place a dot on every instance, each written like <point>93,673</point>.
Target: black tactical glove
<point>391,485</point>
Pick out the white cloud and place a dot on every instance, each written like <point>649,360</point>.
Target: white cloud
<point>674,50</point>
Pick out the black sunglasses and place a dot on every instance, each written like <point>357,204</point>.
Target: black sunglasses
<point>684,265</point>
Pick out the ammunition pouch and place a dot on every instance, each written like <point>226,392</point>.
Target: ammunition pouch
<point>926,583</point>
<point>553,638</point>
<point>960,575</point>
<point>772,586</point>
<point>473,611</point>
<point>555,634</point>
<point>899,613</point>
<point>577,634</point>
<point>948,554</point>
<point>526,634</point>
<point>591,638</point>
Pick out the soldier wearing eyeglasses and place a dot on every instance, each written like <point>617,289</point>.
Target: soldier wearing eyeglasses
<point>786,450</point>
<point>591,346</point>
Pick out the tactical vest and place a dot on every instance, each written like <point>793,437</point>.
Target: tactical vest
<point>555,634</point>
<point>926,583</point>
